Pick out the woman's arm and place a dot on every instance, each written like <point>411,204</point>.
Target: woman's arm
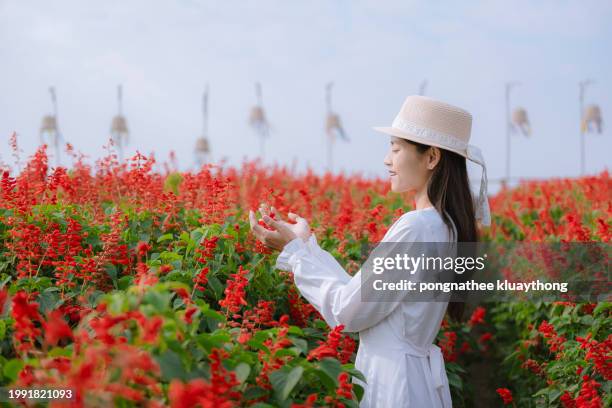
<point>332,291</point>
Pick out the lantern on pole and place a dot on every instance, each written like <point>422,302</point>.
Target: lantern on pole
<point>333,126</point>
<point>589,118</point>
<point>202,146</point>
<point>592,118</point>
<point>520,122</point>
<point>49,129</point>
<point>517,120</point>
<point>119,129</point>
<point>258,120</point>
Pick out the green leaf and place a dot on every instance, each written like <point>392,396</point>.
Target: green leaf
<point>601,307</point>
<point>349,403</point>
<point>510,357</point>
<point>258,344</point>
<point>185,237</point>
<point>48,300</point>
<point>117,302</point>
<point>355,373</point>
<point>124,282</point>
<point>171,366</point>
<point>455,381</point>
<point>454,367</point>
<point>293,352</point>
<point>301,344</point>
<point>216,286</point>
<point>359,391</point>
<point>215,340</point>
<point>242,371</point>
<point>159,300</point>
<point>111,270</point>
<point>325,379</point>
<point>166,237</point>
<point>59,351</point>
<point>213,315</point>
<point>196,235</point>
<point>553,395</point>
<point>12,368</point>
<point>283,382</point>
<point>295,330</point>
<point>331,367</point>
<point>254,392</point>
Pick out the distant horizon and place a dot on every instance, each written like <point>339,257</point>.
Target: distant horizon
<point>494,186</point>
<point>375,52</point>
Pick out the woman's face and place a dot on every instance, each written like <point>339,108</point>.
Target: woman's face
<point>408,169</point>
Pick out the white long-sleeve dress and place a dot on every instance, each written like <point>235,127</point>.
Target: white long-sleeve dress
<point>402,366</point>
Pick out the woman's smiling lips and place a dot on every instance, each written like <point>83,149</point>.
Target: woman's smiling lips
<point>391,173</point>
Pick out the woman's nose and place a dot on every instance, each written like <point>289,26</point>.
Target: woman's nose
<point>386,160</point>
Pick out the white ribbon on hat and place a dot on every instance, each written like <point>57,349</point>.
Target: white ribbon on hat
<point>429,134</point>
<point>483,213</point>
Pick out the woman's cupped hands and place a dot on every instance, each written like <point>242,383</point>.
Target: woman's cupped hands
<point>283,232</point>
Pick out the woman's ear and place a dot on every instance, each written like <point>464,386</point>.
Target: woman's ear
<point>433,157</point>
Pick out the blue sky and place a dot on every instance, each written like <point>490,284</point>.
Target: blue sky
<point>376,52</point>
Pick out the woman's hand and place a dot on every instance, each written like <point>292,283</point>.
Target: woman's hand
<point>300,228</point>
<point>285,232</point>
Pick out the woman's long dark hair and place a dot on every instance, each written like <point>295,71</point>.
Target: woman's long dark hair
<point>449,190</point>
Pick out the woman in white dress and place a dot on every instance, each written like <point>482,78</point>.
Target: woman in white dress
<point>402,366</point>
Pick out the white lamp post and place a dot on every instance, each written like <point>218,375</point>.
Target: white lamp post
<point>202,147</point>
<point>258,120</point>
<point>422,87</point>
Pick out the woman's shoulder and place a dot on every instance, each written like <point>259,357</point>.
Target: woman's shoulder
<point>427,223</point>
<point>419,218</point>
<point>412,223</point>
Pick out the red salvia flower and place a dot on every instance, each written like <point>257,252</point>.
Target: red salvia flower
<point>477,316</point>
<point>447,344</point>
<point>56,328</point>
<point>201,279</point>
<point>26,316</point>
<point>235,291</point>
<point>505,394</point>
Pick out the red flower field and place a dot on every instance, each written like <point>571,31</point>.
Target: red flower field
<point>135,288</point>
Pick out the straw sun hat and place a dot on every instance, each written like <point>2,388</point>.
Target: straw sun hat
<point>436,123</point>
